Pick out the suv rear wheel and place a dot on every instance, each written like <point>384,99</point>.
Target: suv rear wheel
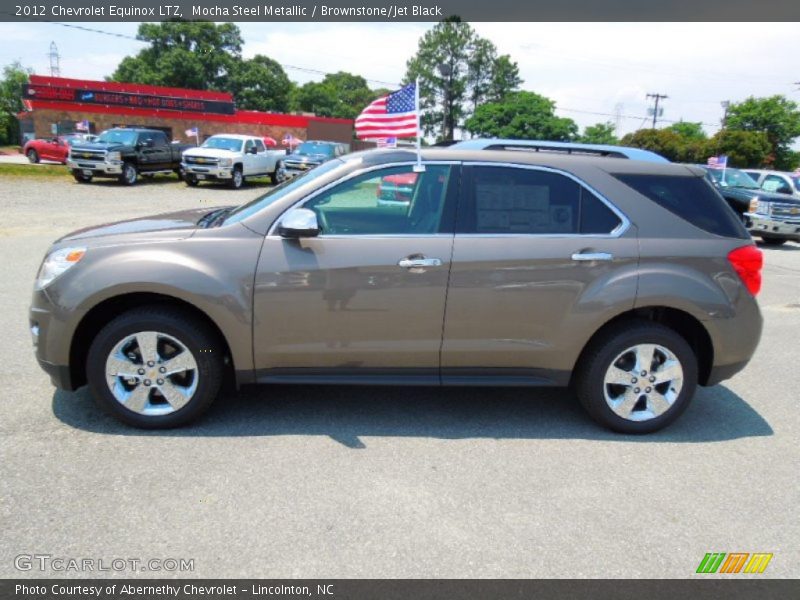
<point>637,378</point>
<point>155,368</point>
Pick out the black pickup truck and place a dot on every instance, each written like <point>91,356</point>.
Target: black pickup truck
<point>125,153</point>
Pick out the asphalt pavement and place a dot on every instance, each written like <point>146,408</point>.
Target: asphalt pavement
<point>376,482</point>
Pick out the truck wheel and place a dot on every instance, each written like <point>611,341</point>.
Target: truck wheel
<point>33,156</point>
<point>273,177</point>
<point>774,241</point>
<point>129,174</point>
<point>180,174</point>
<point>81,178</point>
<point>637,378</point>
<point>237,177</point>
<point>155,367</point>
<point>191,180</point>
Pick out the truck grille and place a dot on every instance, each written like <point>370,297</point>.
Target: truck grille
<point>789,212</point>
<point>200,160</point>
<point>302,166</point>
<point>99,155</point>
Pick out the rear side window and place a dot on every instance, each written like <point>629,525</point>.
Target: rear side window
<point>508,200</point>
<point>691,198</point>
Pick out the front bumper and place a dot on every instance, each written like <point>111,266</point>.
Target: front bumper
<point>96,168</point>
<point>51,333</point>
<point>207,172</point>
<point>766,225</point>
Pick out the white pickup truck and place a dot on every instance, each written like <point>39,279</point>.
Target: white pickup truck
<point>230,158</point>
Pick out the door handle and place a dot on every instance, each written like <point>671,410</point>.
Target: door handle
<point>591,256</point>
<point>416,263</point>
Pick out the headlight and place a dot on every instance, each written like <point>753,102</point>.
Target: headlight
<point>56,263</point>
<point>114,156</point>
<point>225,162</point>
<point>759,206</point>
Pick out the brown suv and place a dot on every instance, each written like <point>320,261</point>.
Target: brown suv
<point>631,281</point>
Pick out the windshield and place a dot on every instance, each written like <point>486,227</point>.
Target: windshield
<point>314,148</point>
<point>733,178</point>
<point>796,182</point>
<point>223,143</point>
<point>279,191</point>
<point>118,136</point>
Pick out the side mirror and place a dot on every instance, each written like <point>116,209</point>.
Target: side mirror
<point>299,223</point>
<point>148,143</point>
<point>252,150</point>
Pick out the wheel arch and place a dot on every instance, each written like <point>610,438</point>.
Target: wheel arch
<point>680,321</point>
<point>103,312</point>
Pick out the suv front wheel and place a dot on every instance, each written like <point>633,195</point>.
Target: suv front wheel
<point>637,378</point>
<point>155,368</point>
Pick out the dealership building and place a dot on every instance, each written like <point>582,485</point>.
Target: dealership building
<point>56,105</point>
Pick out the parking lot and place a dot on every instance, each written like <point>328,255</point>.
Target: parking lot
<point>385,482</point>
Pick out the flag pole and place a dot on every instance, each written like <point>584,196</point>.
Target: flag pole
<point>419,167</point>
<point>197,135</point>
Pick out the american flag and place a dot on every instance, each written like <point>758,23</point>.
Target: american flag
<point>82,125</point>
<point>718,162</point>
<point>394,115</point>
<point>387,142</point>
<point>192,132</point>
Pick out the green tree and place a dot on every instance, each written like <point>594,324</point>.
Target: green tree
<point>689,130</point>
<point>505,78</point>
<point>599,133</point>
<point>197,55</point>
<point>341,95</point>
<point>260,84</point>
<point>14,77</point>
<point>521,115</point>
<point>458,71</point>
<point>777,117</point>
<point>665,142</point>
<point>743,148</point>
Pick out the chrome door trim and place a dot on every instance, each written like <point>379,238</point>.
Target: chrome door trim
<point>351,175</point>
<point>624,225</point>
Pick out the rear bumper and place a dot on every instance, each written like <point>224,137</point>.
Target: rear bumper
<point>764,225</point>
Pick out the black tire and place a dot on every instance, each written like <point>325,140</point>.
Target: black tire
<point>237,178</point>
<point>773,241</point>
<point>273,177</point>
<point>191,180</point>
<point>81,178</point>
<point>179,173</point>
<point>129,174</point>
<point>197,337</point>
<point>33,156</point>
<point>598,357</point>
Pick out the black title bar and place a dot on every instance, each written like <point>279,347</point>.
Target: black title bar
<point>398,10</point>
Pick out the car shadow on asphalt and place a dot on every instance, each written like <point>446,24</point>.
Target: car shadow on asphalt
<point>348,414</point>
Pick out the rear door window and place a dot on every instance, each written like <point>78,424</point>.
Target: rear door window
<point>691,198</point>
<point>512,200</point>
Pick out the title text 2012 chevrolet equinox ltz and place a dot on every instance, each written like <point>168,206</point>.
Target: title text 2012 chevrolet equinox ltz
<point>631,281</point>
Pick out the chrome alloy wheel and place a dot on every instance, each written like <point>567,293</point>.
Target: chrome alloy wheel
<point>643,382</point>
<point>151,373</point>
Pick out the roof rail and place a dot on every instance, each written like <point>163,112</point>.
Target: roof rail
<point>559,150</point>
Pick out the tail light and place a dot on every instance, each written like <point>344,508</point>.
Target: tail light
<point>747,262</point>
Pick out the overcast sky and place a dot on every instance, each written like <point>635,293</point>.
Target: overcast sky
<point>585,67</point>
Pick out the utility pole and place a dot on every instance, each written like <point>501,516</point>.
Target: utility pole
<point>618,107</point>
<point>55,61</point>
<point>725,105</point>
<point>658,98</point>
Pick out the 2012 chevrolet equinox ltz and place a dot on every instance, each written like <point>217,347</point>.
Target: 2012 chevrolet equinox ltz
<point>630,281</point>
